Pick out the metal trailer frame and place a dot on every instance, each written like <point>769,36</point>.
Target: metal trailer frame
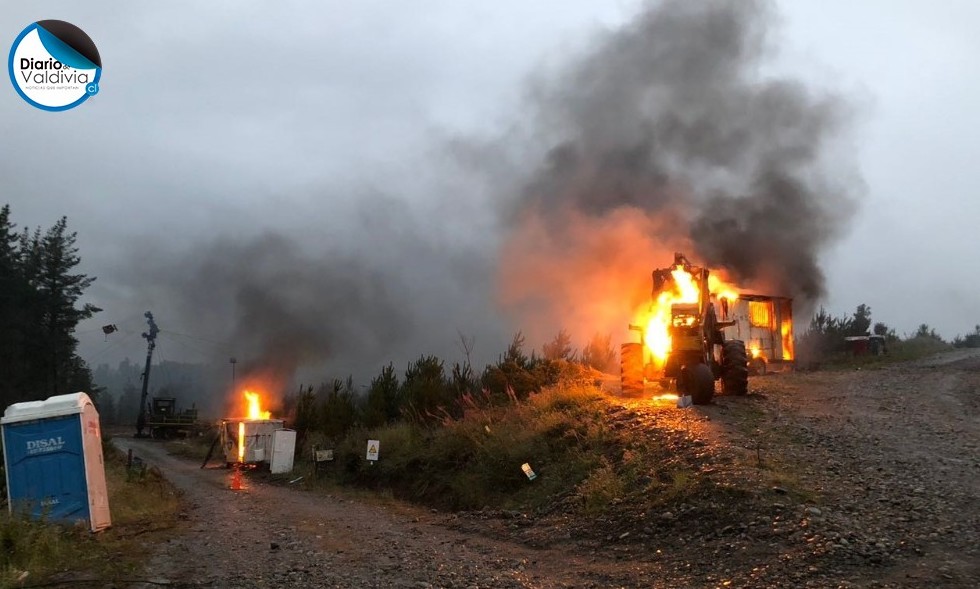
<point>765,324</point>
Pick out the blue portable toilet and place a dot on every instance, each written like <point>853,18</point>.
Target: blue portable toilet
<point>53,453</point>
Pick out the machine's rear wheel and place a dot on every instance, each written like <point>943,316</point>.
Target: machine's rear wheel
<point>701,384</point>
<point>734,368</point>
<point>631,368</point>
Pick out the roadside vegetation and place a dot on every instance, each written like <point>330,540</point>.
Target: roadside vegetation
<point>824,344</point>
<point>458,440</point>
<point>455,440</point>
<point>474,459</point>
<point>144,509</point>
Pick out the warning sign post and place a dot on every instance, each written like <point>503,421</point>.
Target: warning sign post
<point>372,449</point>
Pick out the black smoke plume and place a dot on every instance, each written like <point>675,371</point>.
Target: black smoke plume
<point>669,135</point>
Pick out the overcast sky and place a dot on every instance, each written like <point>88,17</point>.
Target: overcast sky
<point>235,118</point>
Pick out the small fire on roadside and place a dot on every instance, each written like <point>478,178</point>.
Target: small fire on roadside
<point>254,411</point>
<point>665,398</point>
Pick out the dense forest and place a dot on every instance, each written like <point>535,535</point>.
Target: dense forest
<point>39,310</point>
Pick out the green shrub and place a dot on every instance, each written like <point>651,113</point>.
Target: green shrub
<point>383,402</point>
<point>338,410</point>
<point>475,460</point>
<point>425,393</point>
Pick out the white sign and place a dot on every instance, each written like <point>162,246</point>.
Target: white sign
<point>372,449</point>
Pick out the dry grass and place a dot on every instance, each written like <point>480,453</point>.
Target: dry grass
<point>143,509</point>
<point>600,488</point>
<point>476,461</point>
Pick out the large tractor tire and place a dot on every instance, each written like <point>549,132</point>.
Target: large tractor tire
<point>700,384</point>
<point>734,368</point>
<point>631,368</point>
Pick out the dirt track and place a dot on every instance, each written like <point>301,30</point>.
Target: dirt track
<point>271,536</point>
<point>891,459</point>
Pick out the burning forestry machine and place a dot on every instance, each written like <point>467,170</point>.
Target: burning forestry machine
<point>683,339</point>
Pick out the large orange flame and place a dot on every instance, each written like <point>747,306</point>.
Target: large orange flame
<point>255,407</point>
<point>659,315</point>
<point>786,330</point>
<point>721,289</point>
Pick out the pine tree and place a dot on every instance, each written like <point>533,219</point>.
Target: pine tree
<point>59,291</point>
<point>383,404</point>
<point>861,321</point>
<point>38,314</point>
<point>13,294</point>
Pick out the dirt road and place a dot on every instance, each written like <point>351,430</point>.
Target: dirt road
<point>271,536</point>
<point>888,461</point>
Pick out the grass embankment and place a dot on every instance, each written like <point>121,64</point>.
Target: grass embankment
<point>471,462</point>
<point>476,461</point>
<point>143,508</point>
<point>590,456</point>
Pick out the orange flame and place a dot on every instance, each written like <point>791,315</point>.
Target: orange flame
<point>721,289</point>
<point>241,441</point>
<point>685,291</point>
<point>786,330</point>
<point>255,407</point>
<point>656,335</point>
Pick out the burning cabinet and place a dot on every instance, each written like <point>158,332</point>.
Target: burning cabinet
<point>249,441</point>
<point>765,324</point>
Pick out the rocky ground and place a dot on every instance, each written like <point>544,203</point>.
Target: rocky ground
<point>853,478</point>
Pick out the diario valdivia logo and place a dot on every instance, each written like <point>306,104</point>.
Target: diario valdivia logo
<point>54,65</point>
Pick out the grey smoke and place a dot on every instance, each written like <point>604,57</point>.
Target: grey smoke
<point>323,304</point>
<point>665,134</point>
<point>673,116</point>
